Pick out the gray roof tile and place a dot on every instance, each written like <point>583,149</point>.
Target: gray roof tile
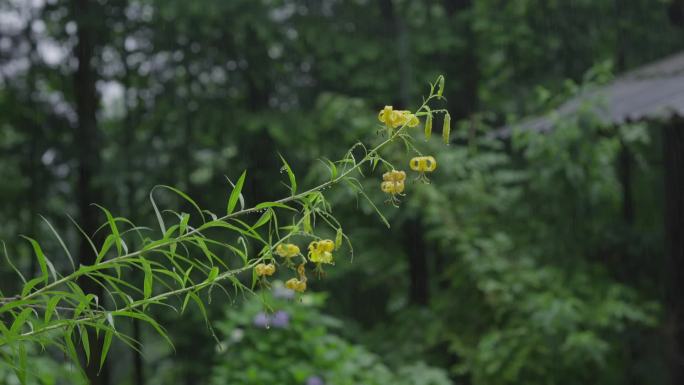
<point>654,91</point>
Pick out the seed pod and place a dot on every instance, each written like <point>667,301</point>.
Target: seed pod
<point>338,238</point>
<point>446,130</point>
<point>428,127</point>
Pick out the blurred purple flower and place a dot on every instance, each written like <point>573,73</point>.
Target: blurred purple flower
<point>314,380</point>
<point>261,320</point>
<point>283,292</point>
<point>281,319</point>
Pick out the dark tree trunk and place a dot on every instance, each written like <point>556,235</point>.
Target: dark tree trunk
<point>88,157</point>
<point>397,32</point>
<point>673,143</point>
<point>131,209</point>
<point>464,103</point>
<point>418,265</point>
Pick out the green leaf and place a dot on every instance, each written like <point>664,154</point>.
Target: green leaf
<point>105,347</point>
<point>83,331</point>
<point>290,175</point>
<point>61,242</point>
<point>265,205</point>
<point>80,230</point>
<point>186,197</point>
<point>20,321</point>
<point>113,228</point>
<point>51,306</point>
<point>235,194</point>
<point>69,344</point>
<point>212,274</point>
<point>21,370</point>
<point>9,262</point>
<point>265,217</point>
<point>185,218</point>
<point>198,301</point>
<point>331,167</point>
<point>148,280</point>
<point>360,191</point>
<point>145,318</point>
<point>106,245</point>
<point>30,285</point>
<point>41,258</point>
<point>162,227</point>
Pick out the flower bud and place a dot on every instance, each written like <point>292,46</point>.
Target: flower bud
<point>446,130</point>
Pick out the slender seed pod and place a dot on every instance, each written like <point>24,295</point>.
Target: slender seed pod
<point>428,127</point>
<point>446,130</point>
<point>338,238</point>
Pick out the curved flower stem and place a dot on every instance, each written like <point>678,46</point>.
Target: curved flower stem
<point>110,263</point>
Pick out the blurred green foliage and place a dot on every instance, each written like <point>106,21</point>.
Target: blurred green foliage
<point>288,340</point>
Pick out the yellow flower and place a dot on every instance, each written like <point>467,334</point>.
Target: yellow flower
<point>412,119</point>
<point>321,251</point>
<point>393,188</point>
<point>296,285</point>
<point>393,182</point>
<point>397,118</point>
<point>385,115</point>
<point>263,269</point>
<point>423,164</point>
<point>287,250</point>
<point>394,176</point>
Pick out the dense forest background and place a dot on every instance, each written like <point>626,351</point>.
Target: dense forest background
<point>532,259</point>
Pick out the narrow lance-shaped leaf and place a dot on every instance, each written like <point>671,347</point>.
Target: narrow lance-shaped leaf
<point>213,273</point>
<point>113,228</point>
<point>40,257</point>
<point>9,262</point>
<point>83,331</point>
<point>235,194</point>
<point>162,227</point>
<point>187,198</point>
<point>148,280</point>
<point>61,242</point>
<point>290,175</point>
<point>105,347</point>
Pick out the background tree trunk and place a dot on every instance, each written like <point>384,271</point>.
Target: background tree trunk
<point>87,147</point>
<point>673,143</point>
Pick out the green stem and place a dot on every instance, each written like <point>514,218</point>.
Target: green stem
<point>112,262</point>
